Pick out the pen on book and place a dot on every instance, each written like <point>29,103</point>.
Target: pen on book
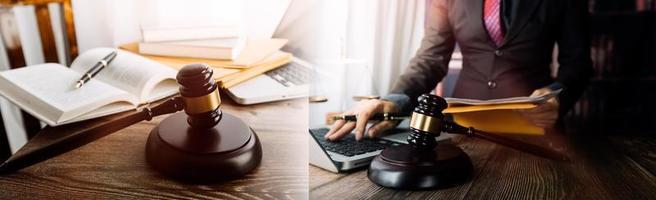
<point>375,117</point>
<point>102,64</point>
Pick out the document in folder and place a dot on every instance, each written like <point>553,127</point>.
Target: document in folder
<point>499,118</point>
<point>497,115</point>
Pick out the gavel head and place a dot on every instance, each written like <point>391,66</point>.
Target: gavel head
<point>200,95</point>
<point>427,121</point>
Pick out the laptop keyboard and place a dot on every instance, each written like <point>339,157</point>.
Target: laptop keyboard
<point>291,74</point>
<point>348,146</point>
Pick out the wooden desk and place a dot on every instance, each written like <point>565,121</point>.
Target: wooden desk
<point>115,165</point>
<point>603,168</point>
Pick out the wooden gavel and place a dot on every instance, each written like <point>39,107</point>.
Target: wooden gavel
<point>428,122</point>
<point>200,145</point>
<point>425,164</point>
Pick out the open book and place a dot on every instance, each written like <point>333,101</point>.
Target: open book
<point>48,91</point>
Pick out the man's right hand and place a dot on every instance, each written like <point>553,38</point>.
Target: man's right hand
<point>364,110</point>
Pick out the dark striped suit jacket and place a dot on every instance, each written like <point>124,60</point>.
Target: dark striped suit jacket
<point>520,65</point>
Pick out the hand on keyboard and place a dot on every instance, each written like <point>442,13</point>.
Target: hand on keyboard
<point>363,111</point>
<point>348,146</point>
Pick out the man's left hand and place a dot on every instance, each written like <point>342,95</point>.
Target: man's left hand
<point>544,115</point>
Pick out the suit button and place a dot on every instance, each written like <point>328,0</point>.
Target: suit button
<point>498,53</point>
<point>491,84</point>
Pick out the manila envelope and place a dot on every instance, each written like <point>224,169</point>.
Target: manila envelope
<point>500,118</point>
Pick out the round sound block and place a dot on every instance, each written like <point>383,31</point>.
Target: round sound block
<point>227,151</point>
<point>405,167</point>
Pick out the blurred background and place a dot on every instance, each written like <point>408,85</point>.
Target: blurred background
<point>365,45</point>
<point>369,42</point>
<point>34,32</point>
<point>358,48</point>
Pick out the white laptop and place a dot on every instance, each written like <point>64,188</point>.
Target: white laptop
<point>286,82</point>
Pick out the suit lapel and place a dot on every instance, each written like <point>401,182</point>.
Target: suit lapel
<point>474,11</point>
<point>525,11</point>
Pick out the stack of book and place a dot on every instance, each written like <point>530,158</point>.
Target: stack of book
<point>234,57</point>
<point>224,43</point>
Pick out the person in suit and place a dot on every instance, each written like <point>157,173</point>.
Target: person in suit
<point>507,49</point>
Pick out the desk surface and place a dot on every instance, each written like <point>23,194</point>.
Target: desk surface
<point>603,168</point>
<point>115,166</point>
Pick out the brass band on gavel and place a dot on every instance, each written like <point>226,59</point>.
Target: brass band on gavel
<point>202,104</point>
<point>426,123</point>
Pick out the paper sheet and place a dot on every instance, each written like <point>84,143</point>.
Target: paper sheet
<point>536,100</point>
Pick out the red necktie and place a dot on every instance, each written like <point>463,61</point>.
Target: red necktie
<point>492,18</point>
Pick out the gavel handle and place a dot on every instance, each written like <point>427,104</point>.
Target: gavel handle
<point>174,104</point>
<point>18,162</point>
<point>452,127</point>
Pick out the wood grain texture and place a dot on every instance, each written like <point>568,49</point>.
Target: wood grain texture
<point>640,149</point>
<point>115,166</point>
<point>48,45</point>
<point>360,187</point>
<point>71,39</point>
<point>601,169</point>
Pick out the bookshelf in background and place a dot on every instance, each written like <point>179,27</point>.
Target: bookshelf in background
<point>620,97</point>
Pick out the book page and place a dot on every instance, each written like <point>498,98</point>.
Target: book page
<point>108,109</point>
<point>48,92</point>
<point>132,73</point>
<point>535,100</point>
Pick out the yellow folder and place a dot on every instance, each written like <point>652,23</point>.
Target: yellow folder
<point>498,118</point>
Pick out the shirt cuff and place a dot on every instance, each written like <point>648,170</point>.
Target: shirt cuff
<point>555,86</point>
<point>401,101</point>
